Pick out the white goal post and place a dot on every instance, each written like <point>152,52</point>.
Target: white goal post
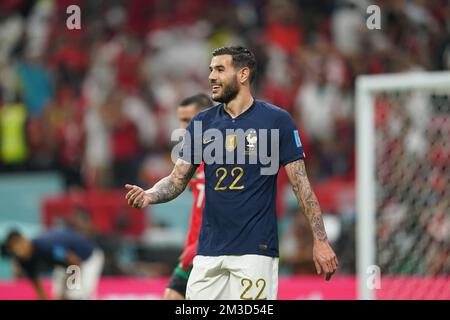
<point>367,89</point>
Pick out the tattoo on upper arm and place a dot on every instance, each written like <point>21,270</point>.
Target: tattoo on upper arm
<point>173,185</point>
<point>307,200</point>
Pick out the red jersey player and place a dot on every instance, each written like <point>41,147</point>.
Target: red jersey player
<point>176,289</point>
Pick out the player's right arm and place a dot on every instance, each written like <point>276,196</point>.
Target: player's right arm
<point>164,190</point>
<point>38,288</point>
<point>30,272</point>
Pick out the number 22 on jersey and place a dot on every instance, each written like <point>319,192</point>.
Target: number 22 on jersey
<point>221,173</point>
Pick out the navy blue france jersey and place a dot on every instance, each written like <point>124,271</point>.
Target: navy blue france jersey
<point>52,249</point>
<point>239,216</point>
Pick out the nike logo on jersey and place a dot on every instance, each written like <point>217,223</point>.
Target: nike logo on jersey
<point>206,141</point>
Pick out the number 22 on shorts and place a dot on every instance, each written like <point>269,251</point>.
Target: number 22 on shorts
<point>247,284</point>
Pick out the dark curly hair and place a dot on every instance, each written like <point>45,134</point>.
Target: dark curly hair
<point>242,57</point>
<point>5,251</point>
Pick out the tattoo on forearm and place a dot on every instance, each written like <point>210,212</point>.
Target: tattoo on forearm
<point>318,228</point>
<point>306,198</point>
<point>172,186</point>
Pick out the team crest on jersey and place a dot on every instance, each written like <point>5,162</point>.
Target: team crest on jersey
<point>250,142</point>
<point>231,142</point>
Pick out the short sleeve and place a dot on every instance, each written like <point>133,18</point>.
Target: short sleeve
<point>291,148</point>
<point>191,148</point>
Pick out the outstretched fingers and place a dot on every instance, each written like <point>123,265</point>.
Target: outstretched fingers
<point>134,192</point>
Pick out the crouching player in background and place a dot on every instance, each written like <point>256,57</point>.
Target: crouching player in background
<point>237,255</point>
<point>60,250</point>
<point>176,289</point>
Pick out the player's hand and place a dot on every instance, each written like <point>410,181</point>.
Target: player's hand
<point>325,259</point>
<point>136,197</point>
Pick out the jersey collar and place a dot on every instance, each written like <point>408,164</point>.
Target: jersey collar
<point>244,114</point>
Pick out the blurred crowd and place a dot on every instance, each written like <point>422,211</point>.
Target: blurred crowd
<point>98,104</point>
<point>413,175</point>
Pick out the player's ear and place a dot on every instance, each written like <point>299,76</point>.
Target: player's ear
<point>244,74</point>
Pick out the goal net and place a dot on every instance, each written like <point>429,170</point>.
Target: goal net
<point>403,186</point>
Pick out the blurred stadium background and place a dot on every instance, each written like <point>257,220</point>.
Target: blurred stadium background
<point>84,111</point>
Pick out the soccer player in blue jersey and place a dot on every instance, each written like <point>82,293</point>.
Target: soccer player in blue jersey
<point>59,249</point>
<point>242,141</point>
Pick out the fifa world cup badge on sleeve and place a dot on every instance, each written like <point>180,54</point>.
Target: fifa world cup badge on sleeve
<point>297,139</point>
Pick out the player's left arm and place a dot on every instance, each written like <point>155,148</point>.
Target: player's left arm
<point>324,257</point>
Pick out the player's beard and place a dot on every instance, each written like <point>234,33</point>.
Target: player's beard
<point>230,92</point>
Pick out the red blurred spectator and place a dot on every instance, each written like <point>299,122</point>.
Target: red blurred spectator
<point>282,28</point>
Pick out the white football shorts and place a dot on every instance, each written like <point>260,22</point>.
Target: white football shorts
<point>245,277</point>
<point>90,273</point>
